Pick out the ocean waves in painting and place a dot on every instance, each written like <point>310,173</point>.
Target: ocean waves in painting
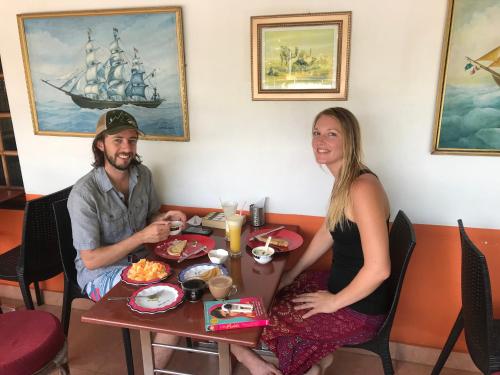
<point>471,118</point>
<point>54,116</point>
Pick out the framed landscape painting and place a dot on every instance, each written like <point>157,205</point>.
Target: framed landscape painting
<point>467,119</point>
<point>81,64</point>
<point>301,56</point>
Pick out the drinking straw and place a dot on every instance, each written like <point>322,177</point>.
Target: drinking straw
<point>242,207</point>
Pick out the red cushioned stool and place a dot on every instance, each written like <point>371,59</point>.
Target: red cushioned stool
<point>31,342</point>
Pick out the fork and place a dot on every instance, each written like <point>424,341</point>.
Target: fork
<point>151,297</point>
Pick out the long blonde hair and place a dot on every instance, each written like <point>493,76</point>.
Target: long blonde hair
<point>351,164</point>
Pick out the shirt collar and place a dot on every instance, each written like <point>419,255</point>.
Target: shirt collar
<point>104,182</point>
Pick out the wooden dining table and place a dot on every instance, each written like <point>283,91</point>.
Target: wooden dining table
<point>187,320</point>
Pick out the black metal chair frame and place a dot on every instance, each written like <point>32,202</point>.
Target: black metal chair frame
<point>402,241</point>
<point>482,332</point>
<point>37,258</point>
<point>71,288</point>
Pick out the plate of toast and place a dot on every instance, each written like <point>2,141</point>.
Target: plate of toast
<point>282,240</point>
<point>189,246</point>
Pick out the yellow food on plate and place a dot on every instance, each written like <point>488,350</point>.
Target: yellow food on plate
<point>281,242</point>
<point>176,247</point>
<point>145,270</point>
<point>208,274</point>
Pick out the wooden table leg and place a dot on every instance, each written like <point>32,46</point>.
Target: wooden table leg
<point>147,352</point>
<point>224,359</point>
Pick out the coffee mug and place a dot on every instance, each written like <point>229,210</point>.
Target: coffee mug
<point>193,289</point>
<point>221,287</point>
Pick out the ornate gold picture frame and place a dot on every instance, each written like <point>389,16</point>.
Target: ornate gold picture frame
<point>301,56</point>
<point>467,118</point>
<point>83,63</point>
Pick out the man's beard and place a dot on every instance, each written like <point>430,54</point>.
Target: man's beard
<point>113,161</point>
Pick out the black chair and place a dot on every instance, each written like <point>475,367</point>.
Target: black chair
<point>482,332</point>
<point>401,244</point>
<point>37,258</point>
<point>71,288</point>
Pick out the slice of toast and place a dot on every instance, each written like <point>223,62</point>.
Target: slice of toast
<point>176,247</point>
<point>276,241</point>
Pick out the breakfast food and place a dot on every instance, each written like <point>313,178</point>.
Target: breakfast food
<point>276,241</point>
<point>145,270</point>
<point>176,247</point>
<point>208,274</point>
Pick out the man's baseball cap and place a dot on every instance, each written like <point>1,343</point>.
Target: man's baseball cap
<point>115,121</point>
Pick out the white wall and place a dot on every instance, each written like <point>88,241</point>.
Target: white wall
<point>245,150</point>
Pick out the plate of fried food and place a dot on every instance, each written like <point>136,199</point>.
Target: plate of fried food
<point>145,272</point>
<point>282,240</point>
<point>189,246</point>
<point>203,271</point>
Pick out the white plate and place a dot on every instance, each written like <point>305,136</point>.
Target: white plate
<point>167,296</point>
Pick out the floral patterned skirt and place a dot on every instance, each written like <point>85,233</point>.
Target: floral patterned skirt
<point>300,343</point>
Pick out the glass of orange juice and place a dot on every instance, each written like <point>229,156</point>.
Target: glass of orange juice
<point>235,222</point>
<point>229,208</point>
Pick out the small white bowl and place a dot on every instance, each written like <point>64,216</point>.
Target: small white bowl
<point>175,227</point>
<point>262,255</point>
<point>218,256</point>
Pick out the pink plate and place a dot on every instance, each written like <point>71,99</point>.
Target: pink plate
<point>127,280</point>
<point>295,240</point>
<point>165,296</point>
<point>194,243</point>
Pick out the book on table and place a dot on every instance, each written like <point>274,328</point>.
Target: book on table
<point>235,313</point>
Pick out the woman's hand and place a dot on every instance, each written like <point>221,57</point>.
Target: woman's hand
<point>318,302</point>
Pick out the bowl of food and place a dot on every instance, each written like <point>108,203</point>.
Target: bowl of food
<point>262,254</point>
<point>175,227</point>
<point>218,256</point>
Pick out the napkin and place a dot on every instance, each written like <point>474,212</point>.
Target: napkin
<point>195,220</point>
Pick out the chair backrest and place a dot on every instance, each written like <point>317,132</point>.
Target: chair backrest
<point>39,257</point>
<point>401,244</point>
<point>476,302</point>
<point>65,239</point>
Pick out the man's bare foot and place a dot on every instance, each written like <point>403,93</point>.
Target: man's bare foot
<point>255,364</point>
<point>162,355</point>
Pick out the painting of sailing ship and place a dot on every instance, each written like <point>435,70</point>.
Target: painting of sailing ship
<point>468,107</point>
<point>81,64</point>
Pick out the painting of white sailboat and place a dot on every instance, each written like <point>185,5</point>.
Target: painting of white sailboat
<point>80,64</point>
<point>468,105</point>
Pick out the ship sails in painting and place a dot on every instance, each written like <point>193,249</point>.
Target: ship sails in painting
<point>111,83</point>
<point>491,65</point>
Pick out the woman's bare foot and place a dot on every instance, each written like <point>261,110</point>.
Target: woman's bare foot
<point>254,364</point>
<point>314,370</point>
<point>320,367</point>
<point>326,362</point>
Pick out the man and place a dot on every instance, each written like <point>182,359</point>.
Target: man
<point>114,210</point>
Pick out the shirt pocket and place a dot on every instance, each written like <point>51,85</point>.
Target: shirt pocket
<point>115,227</point>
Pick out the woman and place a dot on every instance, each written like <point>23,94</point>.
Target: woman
<point>317,312</point>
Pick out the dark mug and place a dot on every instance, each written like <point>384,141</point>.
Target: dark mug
<point>193,289</point>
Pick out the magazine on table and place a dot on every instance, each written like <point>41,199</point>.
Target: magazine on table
<point>235,313</point>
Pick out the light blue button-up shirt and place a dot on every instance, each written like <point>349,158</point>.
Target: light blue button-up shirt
<point>99,216</point>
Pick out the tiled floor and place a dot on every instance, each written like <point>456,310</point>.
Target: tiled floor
<point>98,350</point>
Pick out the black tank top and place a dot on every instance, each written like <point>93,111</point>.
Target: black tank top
<point>347,261</point>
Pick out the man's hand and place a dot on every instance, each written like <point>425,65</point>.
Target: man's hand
<point>319,302</point>
<point>171,215</point>
<point>155,232</point>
